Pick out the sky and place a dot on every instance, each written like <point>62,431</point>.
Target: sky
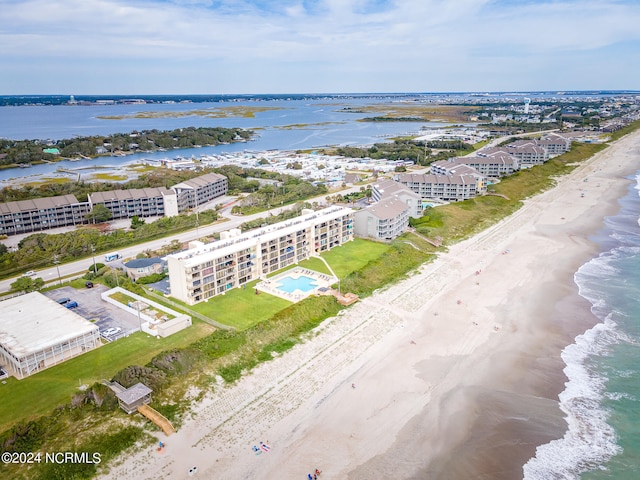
<point>128,47</point>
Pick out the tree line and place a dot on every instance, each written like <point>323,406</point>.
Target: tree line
<point>404,149</point>
<point>24,152</point>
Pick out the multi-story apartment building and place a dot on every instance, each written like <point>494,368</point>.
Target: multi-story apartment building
<point>443,187</point>
<point>205,271</point>
<point>383,221</point>
<point>555,144</point>
<point>25,216</point>
<point>200,190</point>
<point>388,188</point>
<point>497,164</point>
<point>143,202</point>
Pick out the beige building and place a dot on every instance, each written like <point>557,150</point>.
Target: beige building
<point>387,188</point>
<point>205,271</point>
<point>385,220</point>
<point>460,186</point>
<point>498,164</point>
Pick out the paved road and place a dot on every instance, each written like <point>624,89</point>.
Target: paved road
<point>80,267</point>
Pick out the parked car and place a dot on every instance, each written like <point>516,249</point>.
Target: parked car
<point>111,331</point>
<point>89,284</point>
<point>72,304</point>
<point>63,300</point>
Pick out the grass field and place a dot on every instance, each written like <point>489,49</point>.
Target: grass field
<point>242,308</point>
<point>46,390</point>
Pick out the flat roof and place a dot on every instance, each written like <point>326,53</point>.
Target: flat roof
<point>32,322</point>
<point>252,238</point>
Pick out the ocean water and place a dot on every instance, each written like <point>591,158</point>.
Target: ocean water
<point>601,400</point>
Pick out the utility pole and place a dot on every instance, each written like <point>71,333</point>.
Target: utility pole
<point>56,262</point>
<point>93,251</point>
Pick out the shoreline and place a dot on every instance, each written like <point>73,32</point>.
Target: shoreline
<point>420,407</point>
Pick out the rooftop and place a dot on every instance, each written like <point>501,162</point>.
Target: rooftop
<point>37,204</point>
<point>33,322</point>
<point>142,262</point>
<point>135,393</point>
<point>130,194</point>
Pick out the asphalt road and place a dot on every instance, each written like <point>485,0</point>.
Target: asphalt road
<point>78,268</point>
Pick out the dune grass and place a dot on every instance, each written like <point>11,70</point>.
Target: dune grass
<point>54,386</point>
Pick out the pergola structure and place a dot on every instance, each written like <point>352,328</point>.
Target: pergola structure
<point>134,397</point>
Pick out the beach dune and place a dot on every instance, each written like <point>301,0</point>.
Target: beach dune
<point>448,374</point>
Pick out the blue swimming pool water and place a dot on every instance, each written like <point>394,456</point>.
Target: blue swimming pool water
<point>290,284</point>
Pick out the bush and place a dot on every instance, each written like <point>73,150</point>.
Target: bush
<point>98,267</point>
<point>156,277</point>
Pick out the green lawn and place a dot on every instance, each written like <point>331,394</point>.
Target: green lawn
<point>241,308</point>
<point>54,386</point>
<point>351,256</point>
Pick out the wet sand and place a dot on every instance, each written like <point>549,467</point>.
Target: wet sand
<point>456,374</point>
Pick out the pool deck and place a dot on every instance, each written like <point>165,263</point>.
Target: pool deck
<point>322,281</point>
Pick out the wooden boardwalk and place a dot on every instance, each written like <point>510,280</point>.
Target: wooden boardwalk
<point>157,418</point>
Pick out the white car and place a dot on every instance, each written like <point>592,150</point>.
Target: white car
<point>30,273</point>
<point>109,332</point>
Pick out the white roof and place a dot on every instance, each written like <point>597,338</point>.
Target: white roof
<point>32,322</point>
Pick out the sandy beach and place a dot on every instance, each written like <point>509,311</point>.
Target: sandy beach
<point>456,369</point>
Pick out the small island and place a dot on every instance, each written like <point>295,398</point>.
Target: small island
<point>23,153</point>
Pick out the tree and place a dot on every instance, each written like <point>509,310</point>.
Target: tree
<point>27,284</point>
<point>136,222</point>
<point>99,213</point>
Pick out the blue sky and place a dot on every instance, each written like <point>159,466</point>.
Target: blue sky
<point>307,46</point>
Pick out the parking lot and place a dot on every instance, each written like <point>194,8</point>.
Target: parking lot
<point>93,308</point>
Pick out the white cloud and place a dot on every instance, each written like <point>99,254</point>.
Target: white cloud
<point>388,40</point>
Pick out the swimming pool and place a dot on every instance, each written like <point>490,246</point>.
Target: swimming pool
<point>303,283</point>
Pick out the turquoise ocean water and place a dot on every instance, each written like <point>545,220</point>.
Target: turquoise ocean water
<point>601,400</point>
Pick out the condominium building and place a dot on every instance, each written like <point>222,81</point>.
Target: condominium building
<point>143,202</point>
<point>383,221</point>
<point>388,188</point>
<point>205,271</point>
<point>26,216</point>
<point>555,144</point>
<point>443,187</point>
<point>497,164</point>
<point>200,190</point>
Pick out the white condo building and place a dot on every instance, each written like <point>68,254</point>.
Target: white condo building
<point>205,271</point>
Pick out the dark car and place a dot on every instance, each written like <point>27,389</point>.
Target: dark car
<point>89,284</point>
<point>73,304</point>
<point>63,301</point>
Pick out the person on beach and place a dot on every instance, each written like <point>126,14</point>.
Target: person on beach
<point>353,385</point>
